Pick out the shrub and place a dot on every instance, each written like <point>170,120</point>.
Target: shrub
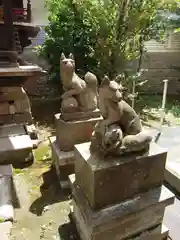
<point>102,34</point>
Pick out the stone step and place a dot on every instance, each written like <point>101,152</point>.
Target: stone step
<point>14,149</point>
<point>122,220</point>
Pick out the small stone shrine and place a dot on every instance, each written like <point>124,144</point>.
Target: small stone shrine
<point>79,114</point>
<point>117,187</point>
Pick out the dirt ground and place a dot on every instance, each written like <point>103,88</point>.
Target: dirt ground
<point>41,207</point>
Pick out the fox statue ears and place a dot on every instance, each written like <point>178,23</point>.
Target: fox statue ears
<point>71,56</point>
<point>105,81</point>
<point>64,57</point>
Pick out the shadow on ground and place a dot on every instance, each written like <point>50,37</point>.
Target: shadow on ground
<point>50,193</point>
<point>68,231</point>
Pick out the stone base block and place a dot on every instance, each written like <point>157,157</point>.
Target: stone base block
<point>63,162</point>
<point>81,115</point>
<point>15,149</point>
<point>121,177</point>
<point>121,221</point>
<point>70,133</point>
<point>5,230</point>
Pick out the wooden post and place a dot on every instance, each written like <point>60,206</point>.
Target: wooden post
<point>29,13</point>
<point>8,24</point>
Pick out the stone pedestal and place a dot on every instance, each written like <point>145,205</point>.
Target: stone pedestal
<point>120,198</point>
<point>69,133</point>
<point>15,144</point>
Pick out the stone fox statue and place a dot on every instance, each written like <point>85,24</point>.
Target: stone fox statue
<point>80,95</point>
<point>121,130</point>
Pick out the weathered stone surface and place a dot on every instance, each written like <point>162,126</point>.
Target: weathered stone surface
<point>5,230</point>
<point>123,220</point>
<point>159,232</point>
<point>14,149</point>
<point>81,115</point>
<point>120,177</point>
<point>73,132</point>
<point>12,130</point>
<point>6,208</point>
<point>63,162</point>
<point>6,170</point>
<point>24,117</point>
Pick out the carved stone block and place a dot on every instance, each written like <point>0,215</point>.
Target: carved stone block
<point>106,181</point>
<point>73,132</point>
<point>121,221</point>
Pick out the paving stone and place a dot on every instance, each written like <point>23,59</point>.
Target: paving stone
<point>5,230</point>
<point>6,207</point>
<point>120,177</point>
<point>73,132</point>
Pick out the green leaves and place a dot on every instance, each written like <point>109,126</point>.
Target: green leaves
<point>102,34</point>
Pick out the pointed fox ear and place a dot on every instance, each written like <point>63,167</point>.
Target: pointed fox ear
<point>105,81</point>
<point>71,56</point>
<point>62,56</point>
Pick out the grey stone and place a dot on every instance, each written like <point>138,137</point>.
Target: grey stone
<point>24,117</point>
<point>63,162</point>
<point>6,207</point>
<point>73,132</point>
<point>122,220</point>
<point>157,233</point>
<point>5,230</point>
<point>12,130</point>
<point>106,181</point>
<point>14,149</point>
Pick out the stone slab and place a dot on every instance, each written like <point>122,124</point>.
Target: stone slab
<point>159,232</point>
<point>120,177</point>
<point>69,133</point>
<point>172,219</point>
<point>6,170</point>
<point>81,115</point>
<point>123,220</point>
<point>25,117</point>
<point>14,149</point>
<point>6,207</point>
<point>12,130</point>
<point>5,230</point>
<point>153,197</point>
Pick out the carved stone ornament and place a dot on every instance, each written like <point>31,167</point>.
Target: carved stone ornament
<point>79,95</point>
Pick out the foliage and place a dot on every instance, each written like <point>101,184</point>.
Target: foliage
<point>102,34</point>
